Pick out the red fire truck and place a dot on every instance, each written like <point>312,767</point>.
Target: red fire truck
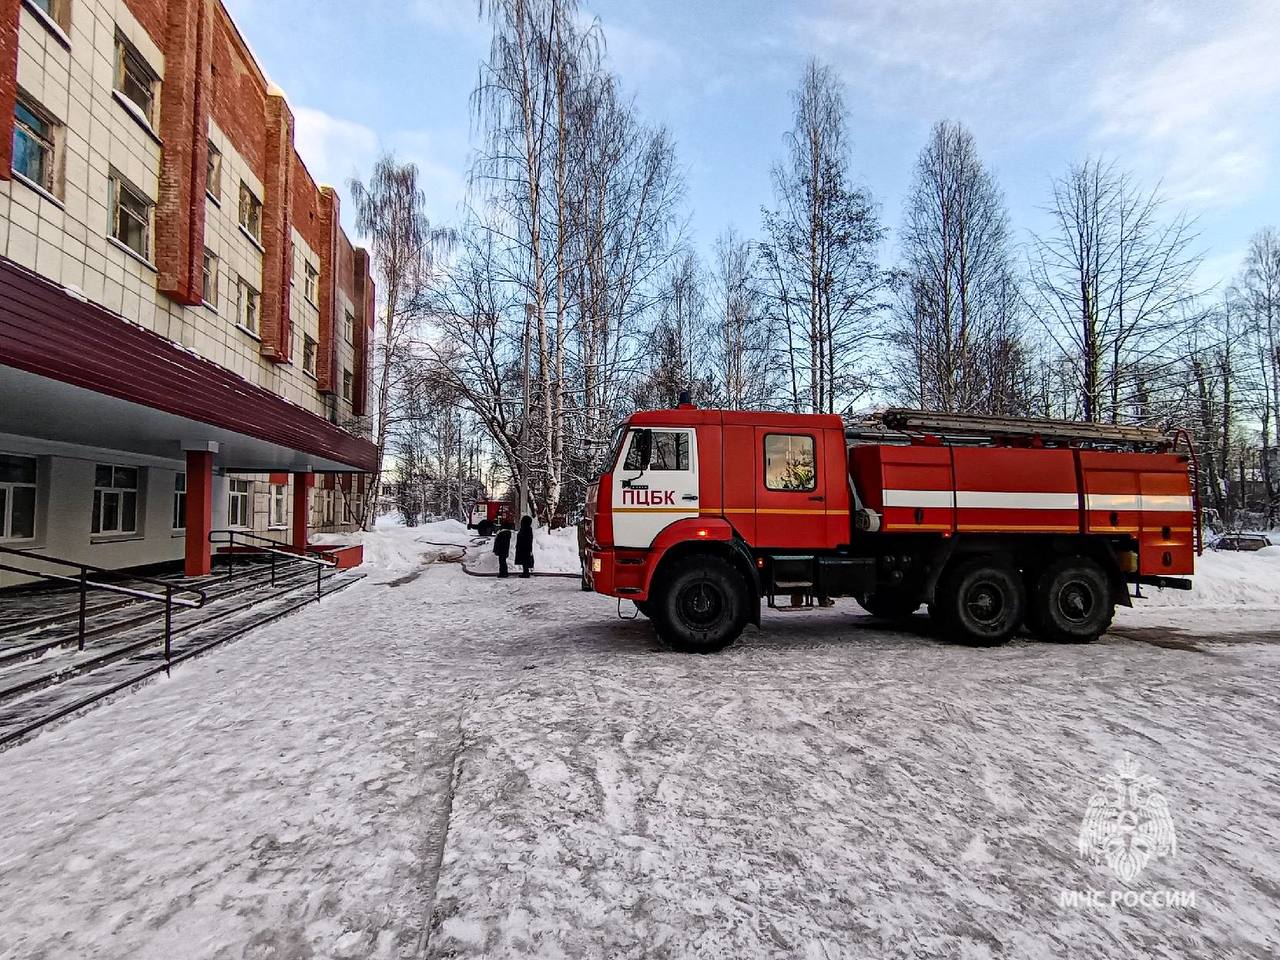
<point>702,515</point>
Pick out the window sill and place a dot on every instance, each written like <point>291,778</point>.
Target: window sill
<point>116,538</point>
<point>139,117</point>
<point>125,248</point>
<point>30,184</point>
<point>209,306</point>
<point>178,533</point>
<point>48,23</point>
<point>246,331</point>
<point>212,199</point>
<point>278,526</point>
<point>252,239</point>
<point>307,373</point>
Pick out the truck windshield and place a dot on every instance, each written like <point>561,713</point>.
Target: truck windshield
<point>611,452</point>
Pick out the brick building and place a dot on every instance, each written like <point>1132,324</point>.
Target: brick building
<point>184,326</point>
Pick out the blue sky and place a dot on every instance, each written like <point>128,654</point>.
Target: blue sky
<point>1186,92</point>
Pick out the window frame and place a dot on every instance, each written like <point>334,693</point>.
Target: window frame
<point>48,142</point>
<point>246,293</point>
<point>279,516</point>
<point>349,326</point>
<point>309,346</point>
<point>126,55</point>
<point>250,215</point>
<point>7,487</point>
<point>213,172</point>
<point>55,16</point>
<point>348,383</point>
<point>118,187</point>
<point>117,492</point>
<point>240,491</point>
<point>208,279</point>
<point>813,448</point>
<point>179,500</point>
<point>310,283</point>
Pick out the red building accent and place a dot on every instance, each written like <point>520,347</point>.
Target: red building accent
<point>199,518</point>
<point>184,128</point>
<point>49,333</point>
<point>9,14</point>
<point>364,330</point>
<point>302,483</point>
<point>277,231</point>
<point>327,377</point>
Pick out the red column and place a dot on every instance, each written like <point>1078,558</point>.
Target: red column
<point>9,17</point>
<point>199,561</point>
<point>301,508</point>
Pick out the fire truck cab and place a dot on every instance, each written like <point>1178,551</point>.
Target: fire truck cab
<point>701,516</point>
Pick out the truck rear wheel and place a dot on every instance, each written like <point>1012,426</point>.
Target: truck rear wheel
<point>979,602</point>
<point>1071,602</point>
<point>701,605</point>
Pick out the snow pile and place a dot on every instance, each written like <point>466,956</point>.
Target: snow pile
<point>393,547</point>
<point>554,551</point>
<point>1227,578</point>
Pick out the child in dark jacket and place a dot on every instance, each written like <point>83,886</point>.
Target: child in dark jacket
<point>502,547</point>
<point>524,546</point>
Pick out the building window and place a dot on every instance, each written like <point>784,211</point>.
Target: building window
<point>35,139</point>
<point>130,216</point>
<point>248,306</point>
<point>238,509</point>
<point>115,499</point>
<point>328,508</point>
<point>213,172</point>
<point>279,504</point>
<point>55,10</point>
<point>310,281</point>
<point>346,385</point>
<point>349,326</point>
<point>17,497</point>
<point>135,80</point>
<point>250,213</point>
<point>308,355</point>
<point>209,281</point>
<point>789,462</point>
<point>179,501</point>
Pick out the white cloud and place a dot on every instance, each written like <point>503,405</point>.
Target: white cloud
<point>336,150</point>
<point>333,149</point>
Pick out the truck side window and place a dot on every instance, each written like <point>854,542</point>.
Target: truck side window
<point>789,462</point>
<point>670,452</point>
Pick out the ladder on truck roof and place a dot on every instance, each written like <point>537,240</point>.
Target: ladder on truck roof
<point>966,428</point>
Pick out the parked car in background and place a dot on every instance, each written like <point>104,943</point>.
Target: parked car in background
<point>1240,541</point>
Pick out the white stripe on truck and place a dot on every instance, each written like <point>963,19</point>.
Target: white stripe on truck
<point>1002,500</point>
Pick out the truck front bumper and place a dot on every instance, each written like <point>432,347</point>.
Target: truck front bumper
<point>618,573</point>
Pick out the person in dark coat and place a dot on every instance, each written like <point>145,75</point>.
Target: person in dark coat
<point>524,546</point>
<point>502,547</point>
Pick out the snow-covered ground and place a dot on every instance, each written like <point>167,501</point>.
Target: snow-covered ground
<point>451,766</point>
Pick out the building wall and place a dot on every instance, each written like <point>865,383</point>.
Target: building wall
<point>64,235</point>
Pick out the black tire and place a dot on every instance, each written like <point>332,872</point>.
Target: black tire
<point>700,606</point>
<point>980,602</point>
<point>1071,602</point>
<point>889,604</point>
<point>643,607</point>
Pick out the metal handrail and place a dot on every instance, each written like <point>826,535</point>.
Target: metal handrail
<point>228,537</point>
<point>43,558</point>
<point>85,585</point>
<point>231,536</point>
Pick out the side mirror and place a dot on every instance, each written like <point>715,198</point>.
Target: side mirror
<point>644,447</point>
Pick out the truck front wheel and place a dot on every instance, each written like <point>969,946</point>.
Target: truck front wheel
<point>979,602</point>
<point>700,606</point>
<point>1071,602</point>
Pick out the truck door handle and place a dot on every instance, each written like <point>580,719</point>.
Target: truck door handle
<point>690,496</point>
<point>817,498</point>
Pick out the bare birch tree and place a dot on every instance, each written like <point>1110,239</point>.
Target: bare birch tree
<point>1111,285</point>
<point>390,213</point>
<point>823,284</point>
<point>957,339</point>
